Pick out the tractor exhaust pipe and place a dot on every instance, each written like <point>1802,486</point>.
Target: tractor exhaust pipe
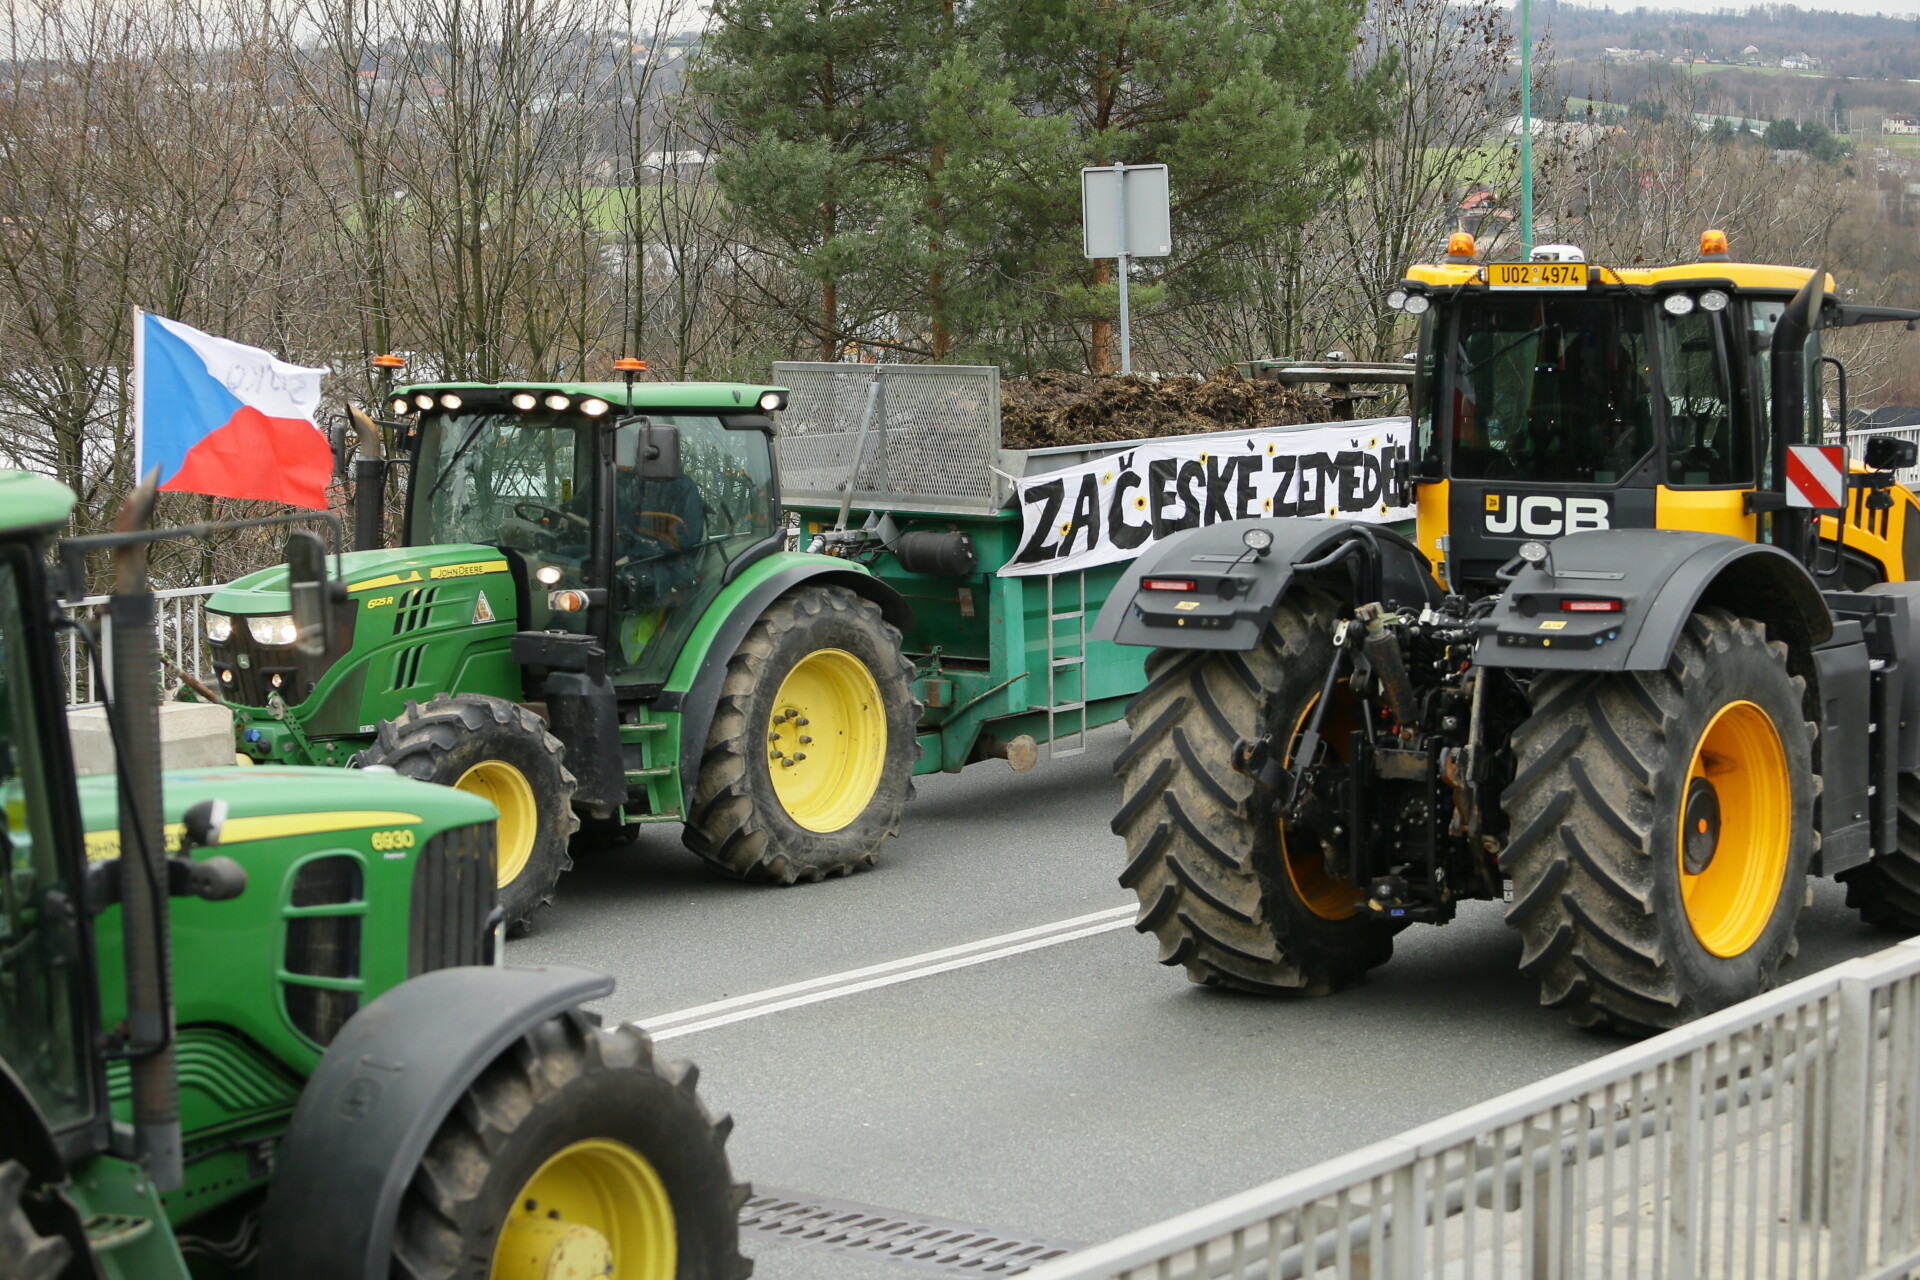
<point>369,484</point>
<point>1793,528</point>
<point>143,877</point>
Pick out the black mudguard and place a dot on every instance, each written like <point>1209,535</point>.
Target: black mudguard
<point>1235,590</point>
<point>1901,649</point>
<point>697,703</point>
<point>377,1098</point>
<point>1659,576</point>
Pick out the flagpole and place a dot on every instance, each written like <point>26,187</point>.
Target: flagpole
<point>133,381</point>
<point>1526,128</point>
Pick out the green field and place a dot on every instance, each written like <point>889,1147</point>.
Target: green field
<point>1711,68</point>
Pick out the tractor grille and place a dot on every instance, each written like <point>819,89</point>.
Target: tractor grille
<point>321,968</point>
<point>246,670</point>
<point>454,888</point>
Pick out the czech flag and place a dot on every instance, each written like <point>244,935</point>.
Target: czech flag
<point>220,418</point>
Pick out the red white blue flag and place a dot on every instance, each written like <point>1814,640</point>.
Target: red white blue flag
<point>221,418</point>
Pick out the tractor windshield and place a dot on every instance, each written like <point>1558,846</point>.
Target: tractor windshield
<point>521,480</point>
<point>1544,387</point>
<point>42,1022</point>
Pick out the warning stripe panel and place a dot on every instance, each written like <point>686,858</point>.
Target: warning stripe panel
<point>1817,477</point>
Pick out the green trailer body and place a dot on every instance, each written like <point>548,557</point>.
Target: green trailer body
<point>996,658</point>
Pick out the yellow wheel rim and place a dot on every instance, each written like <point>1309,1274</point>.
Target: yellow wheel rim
<point>1736,822</point>
<point>510,792</point>
<point>1329,896</point>
<point>827,740</point>
<point>596,1208</point>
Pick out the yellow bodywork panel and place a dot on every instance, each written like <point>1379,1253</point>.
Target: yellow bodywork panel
<point>1706,510</point>
<point>1430,522</point>
<point>1878,535</point>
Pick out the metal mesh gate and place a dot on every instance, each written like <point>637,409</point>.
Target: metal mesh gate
<point>932,443</point>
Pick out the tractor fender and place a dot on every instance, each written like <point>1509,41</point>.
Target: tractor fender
<point>376,1100</point>
<point>1235,591</point>
<point>697,702</point>
<point>1904,633</point>
<point>1659,577</point>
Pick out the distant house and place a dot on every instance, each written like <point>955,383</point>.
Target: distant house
<point>1750,55</point>
<point>1899,124</point>
<point>1797,62</point>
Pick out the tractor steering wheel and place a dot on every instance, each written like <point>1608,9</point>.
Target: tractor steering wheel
<point>521,508</point>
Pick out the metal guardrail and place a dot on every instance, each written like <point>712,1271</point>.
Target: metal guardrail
<point>179,622</point>
<point>1777,1138</point>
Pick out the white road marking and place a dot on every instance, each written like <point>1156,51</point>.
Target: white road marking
<point>759,1004</point>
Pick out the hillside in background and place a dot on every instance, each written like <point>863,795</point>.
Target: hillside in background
<point>1840,44</point>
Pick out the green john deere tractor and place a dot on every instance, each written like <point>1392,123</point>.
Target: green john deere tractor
<point>290,1059</point>
<point>593,617</point>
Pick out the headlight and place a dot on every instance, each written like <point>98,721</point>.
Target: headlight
<point>1678,304</point>
<point>399,406</point>
<point>593,406</point>
<point>276,628</point>
<point>1417,304</point>
<point>1397,299</point>
<point>525,400</point>
<point>771,400</point>
<point>424,401</point>
<point>450,402</point>
<point>558,403</point>
<point>219,627</point>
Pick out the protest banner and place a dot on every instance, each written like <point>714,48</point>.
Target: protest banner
<point>1113,508</point>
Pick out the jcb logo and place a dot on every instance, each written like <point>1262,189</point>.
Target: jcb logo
<point>1544,516</point>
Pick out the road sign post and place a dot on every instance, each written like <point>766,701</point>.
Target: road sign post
<point>1125,214</point>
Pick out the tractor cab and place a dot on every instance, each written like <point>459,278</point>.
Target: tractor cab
<point>622,510</point>
<point>1555,396</point>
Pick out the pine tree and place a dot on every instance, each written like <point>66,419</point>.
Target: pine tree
<point>1245,102</point>
<point>809,95</point>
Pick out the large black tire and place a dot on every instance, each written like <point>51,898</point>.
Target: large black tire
<point>1886,891</point>
<point>25,1254</point>
<point>1602,769</point>
<point>449,738</point>
<point>569,1081</point>
<point>737,821</point>
<point>1204,846</point>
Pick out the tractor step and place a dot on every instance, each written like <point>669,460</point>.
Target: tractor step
<point>107,1231</point>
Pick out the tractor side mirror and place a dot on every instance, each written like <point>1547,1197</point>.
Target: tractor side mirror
<point>203,822</point>
<point>1891,453</point>
<point>308,587</point>
<point>653,448</point>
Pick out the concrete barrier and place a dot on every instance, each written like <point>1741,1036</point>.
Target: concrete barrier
<point>193,735</point>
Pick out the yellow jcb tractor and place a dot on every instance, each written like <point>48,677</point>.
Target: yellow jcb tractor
<point>1642,669</point>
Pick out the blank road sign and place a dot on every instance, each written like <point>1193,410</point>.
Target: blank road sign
<point>1149,226</point>
<point>1817,476</point>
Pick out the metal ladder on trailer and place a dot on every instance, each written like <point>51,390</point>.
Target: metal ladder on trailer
<point>1066,672</point>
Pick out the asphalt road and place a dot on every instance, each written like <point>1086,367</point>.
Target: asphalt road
<point>1073,1091</point>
